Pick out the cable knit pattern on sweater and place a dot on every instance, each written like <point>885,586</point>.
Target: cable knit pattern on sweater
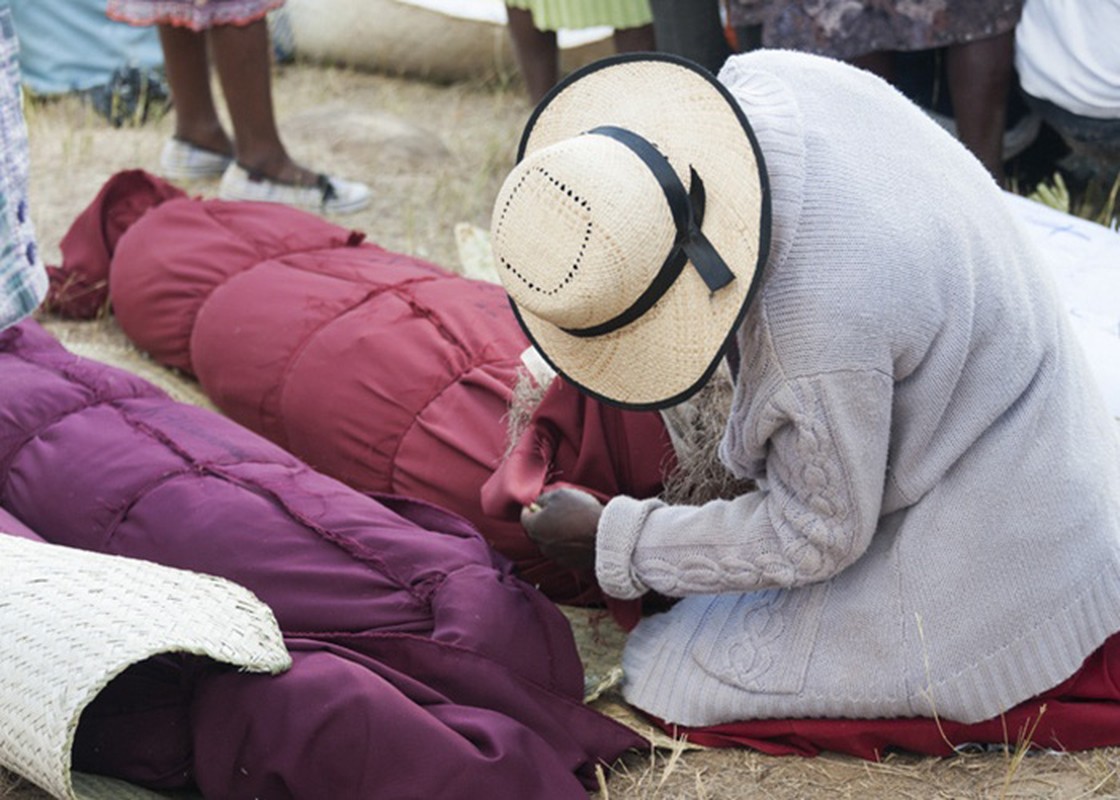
<point>937,521</point>
<point>807,527</point>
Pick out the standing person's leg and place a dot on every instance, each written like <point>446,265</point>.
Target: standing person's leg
<point>979,80</point>
<point>243,60</point>
<point>880,62</point>
<point>264,171</point>
<point>634,40</point>
<point>691,28</point>
<point>536,51</point>
<point>188,76</point>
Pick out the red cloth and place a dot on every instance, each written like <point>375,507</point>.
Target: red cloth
<point>384,371</point>
<point>1080,713</point>
<point>80,288</point>
<point>573,440</point>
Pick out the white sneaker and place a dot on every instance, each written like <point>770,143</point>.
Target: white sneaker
<point>330,195</point>
<point>183,161</point>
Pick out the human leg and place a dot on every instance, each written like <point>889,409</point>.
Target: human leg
<point>1078,714</point>
<point>634,40</point>
<point>264,170</point>
<point>980,75</point>
<point>536,52</point>
<point>881,63</point>
<point>691,28</point>
<point>243,60</point>
<point>188,76</point>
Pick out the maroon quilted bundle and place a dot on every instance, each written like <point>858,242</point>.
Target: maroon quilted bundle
<point>382,370</point>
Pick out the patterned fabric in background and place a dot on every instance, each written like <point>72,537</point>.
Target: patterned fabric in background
<point>198,15</point>
<point>23,281</point>
<point>849,28</point>
<point>744,13</point>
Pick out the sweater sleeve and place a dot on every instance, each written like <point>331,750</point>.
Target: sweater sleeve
<point>826,439</point>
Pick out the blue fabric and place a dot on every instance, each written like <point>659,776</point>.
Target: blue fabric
<point>70,45</point>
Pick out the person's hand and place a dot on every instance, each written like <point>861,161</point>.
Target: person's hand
<point>563,523</point>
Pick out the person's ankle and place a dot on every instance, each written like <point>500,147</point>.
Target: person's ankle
<point>278,169</point>
<point>204,139</point>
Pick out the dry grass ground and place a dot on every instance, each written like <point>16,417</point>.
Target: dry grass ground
<point>436,156</point>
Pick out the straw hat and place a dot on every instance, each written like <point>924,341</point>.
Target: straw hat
<point>632,232</point>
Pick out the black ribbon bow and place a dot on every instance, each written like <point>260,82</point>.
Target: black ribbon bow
<point>687,209</point>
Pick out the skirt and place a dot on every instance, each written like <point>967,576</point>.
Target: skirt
<point>843,29</point>
<point>552,15</point>
<point>198,15</point>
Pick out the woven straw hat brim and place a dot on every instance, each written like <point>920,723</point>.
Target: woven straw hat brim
<point>669,352</point>
<point>73,620</point>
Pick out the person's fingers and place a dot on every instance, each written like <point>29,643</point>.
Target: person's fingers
<point>529,518</point>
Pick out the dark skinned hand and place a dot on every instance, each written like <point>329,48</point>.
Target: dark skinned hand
<point>563,523</point>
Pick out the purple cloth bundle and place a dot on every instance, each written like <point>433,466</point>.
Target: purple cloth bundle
<point>422,666</point>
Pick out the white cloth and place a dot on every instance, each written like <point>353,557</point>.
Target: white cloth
<point>937,524</point>
<point>1084,258</point>
<point>1068,52</point>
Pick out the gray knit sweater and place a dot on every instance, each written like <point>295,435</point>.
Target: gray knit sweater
<point>937,527</point>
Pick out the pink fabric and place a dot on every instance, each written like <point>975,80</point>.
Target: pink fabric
<point>198,15</point>
<point>11,525</point>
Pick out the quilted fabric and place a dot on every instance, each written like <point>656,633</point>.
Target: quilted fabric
<point>382,370</point>
<point>399,686</point>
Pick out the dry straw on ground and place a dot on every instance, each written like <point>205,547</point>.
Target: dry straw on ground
<point>435,156</point>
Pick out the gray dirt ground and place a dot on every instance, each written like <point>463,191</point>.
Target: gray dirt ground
<point>435,156</point>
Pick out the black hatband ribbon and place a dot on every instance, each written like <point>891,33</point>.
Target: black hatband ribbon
<point>690,244</point>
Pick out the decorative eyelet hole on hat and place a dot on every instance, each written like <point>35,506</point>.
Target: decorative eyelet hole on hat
<point>574,268</point>
<point>577,246</point>
<point>634,296</point>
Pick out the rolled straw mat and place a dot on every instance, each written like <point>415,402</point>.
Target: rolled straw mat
<point>71,620</point>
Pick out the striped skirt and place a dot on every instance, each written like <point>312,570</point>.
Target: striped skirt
<point>551,15</point>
